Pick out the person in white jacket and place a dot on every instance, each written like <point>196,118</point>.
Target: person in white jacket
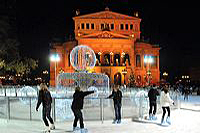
<point>165,102</point>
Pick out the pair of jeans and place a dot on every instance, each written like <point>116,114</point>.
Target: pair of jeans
<point>153,106</point>
<point>117,107</point>
<point>46,112</point>
<point>78,116</point>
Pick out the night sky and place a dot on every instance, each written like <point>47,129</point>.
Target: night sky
<point>174,26</point>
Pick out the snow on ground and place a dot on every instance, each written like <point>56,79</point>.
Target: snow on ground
<point>183,121</point>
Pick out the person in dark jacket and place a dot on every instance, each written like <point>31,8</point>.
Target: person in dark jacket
<point>117,99</point>
<point>152,94</point>
<point>45,98</point>
<point>77,105</point>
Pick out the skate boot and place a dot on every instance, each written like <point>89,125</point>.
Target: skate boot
<point>154,117</point>
<point>47,129</point>
<point>118,121</point>
<point>114,122</point>
<point>83,130</point>
<point>162,122</point>
<point>75,128</point>
<point>52,127</point>
<point>150,117</point>
<point>168,120</point>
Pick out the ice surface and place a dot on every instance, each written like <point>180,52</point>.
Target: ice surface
<point>183,121</point>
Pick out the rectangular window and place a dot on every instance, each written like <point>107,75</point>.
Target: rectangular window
<point>82,26</point>
<point>150,61</point>
<point>138,61</point>
<point>131,27</point>
<point>102,26</point>
<point>87,26</point>
<point>155,62</point>
<point>122,26</point>
<point>112,26</point>
<point>92,26</point>
<point>126,26</point>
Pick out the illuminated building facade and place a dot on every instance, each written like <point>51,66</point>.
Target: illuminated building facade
<point>114,37</point>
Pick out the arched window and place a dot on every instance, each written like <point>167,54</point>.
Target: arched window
<point>138,61</point>
<point>98,59</point>
<point>107,59</point>
<point>127,59</point>
<point>117,79</point>
<point>117,60</point>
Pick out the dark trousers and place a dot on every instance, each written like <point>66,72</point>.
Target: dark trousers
<point>46,113</point>
<point>153,106</point>
<point>117,108</point>
<point>78,116</point>
<point>164,112</point>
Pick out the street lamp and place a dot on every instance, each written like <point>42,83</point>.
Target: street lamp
<point>148,59</point>
<point>55,58</point>
<point>124,72</point>
<point>165,75</point>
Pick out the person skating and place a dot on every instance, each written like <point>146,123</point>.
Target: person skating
<point>77,106</point>
<point>165,102</point>
<point>186,93</point>
<point>45,98</point>
<point>152,94</point>
<point>117,99</point>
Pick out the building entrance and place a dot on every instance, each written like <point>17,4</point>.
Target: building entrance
<point>117,79</point>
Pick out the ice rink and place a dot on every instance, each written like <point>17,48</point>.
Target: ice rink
<point>183,121</point>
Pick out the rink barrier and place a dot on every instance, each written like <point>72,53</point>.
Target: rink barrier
<point>138,108</point>
<point>139,112</point>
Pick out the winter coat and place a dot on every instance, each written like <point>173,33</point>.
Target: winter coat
<point>45,98</point>
<point>78,99</point>
<point>117,96</point>
<point>152,94</point>
<point>165,99</point>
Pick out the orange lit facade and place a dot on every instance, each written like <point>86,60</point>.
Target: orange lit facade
<point>114,37</point>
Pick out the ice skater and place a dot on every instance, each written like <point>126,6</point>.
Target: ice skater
<point>77,106</point>
<point>152,94</point>
<point>186,93</point>
<point>117,99</point>
<point>165,102</point>
<point>45,98</point>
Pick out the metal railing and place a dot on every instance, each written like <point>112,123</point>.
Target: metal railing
<point>14,108</point>
<point>134,105</point>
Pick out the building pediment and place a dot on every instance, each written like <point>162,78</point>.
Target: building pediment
<point>106,15</point>
<point>106,35</point>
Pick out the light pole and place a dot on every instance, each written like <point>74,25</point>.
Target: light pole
<point>148,59</point>
<point>124,72</point>
<point>55,58</point>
